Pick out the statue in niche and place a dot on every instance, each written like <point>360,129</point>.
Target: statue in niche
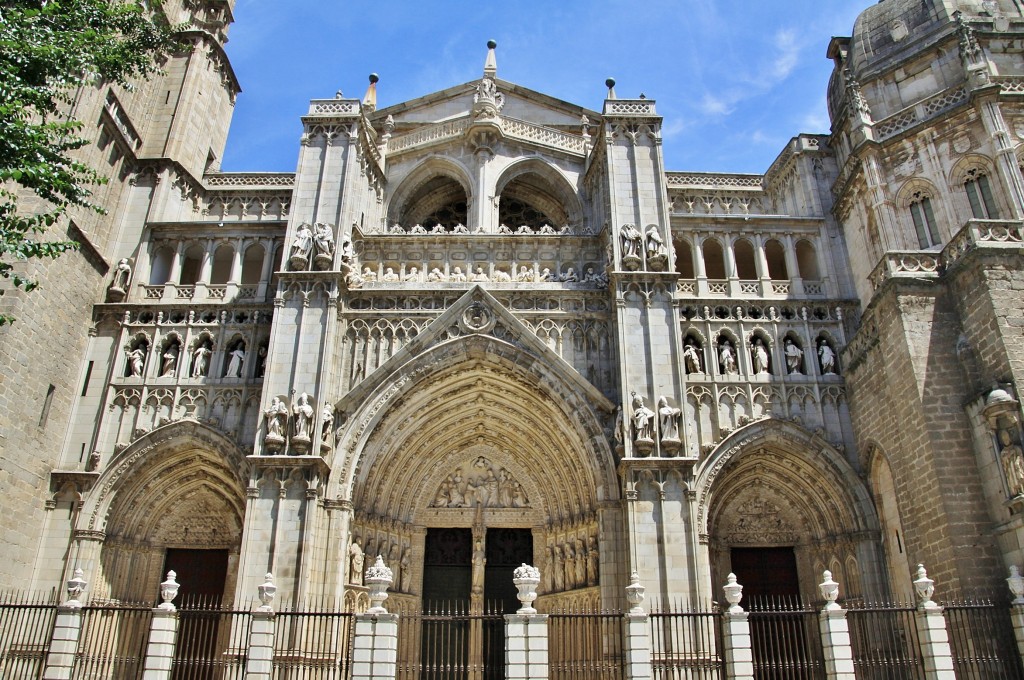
<point>369,275</point>
<point>691,357</point>
<point>137,360</point>
<point>759,357</point>
<point>501,276</point>
<point>632,242</point>
<point>643,420</point>
<point>118,288</point>
<point>303,417</point>
<point>556,569</point>
<point>570,567</point>
<point>826,358</point>
<point>277,416</point>
<point>412,275</point>
<point>435,275</point>
<point>480,275</point>
<point>261,361</point>
<point>323,242</point>
<point>668,420</point>
<point>524,275</point>
<point>326,422</point>
<point>618,426</point>
<point>355,563</point>
<point>657,258</point>
<point>170,360</point>
<point>458,276</point>
<point>395,560</point>
<point>592,562</point>
<point>581,564</point>
<point>201,360</point>
<point>479,561</point>
<point>546,276</point>
<point>236,361</point>
<point>569,276</point>
<point>589,276</point>
<point>302,244</point>
<point>794,357</point>
<point>726,358</point>
<point>406,564</point>
<point>389,275</point>
<point>1012,460</point>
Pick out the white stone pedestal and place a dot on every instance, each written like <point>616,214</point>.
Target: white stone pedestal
<point>935,650</point>
<point>637,646</point>
<point>60,662</point>
<point>739,655</point>
<point>259,664</point>
<point>375,647</point>
<point>835,642</point>
<point>526,647</point>
<point>163,630</point>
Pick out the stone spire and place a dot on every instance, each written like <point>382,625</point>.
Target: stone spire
<point>491,63</point>
<point>370,99</point>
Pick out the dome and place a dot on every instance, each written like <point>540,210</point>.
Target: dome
<point>882,32</point>
<point>998,396</point>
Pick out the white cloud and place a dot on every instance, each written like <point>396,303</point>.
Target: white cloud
<point>717,106</point>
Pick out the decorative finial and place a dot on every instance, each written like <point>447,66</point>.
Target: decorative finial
<point>610,84</point>
<point>491,63</point>
<point>370,100</point>
<point>169,591</point>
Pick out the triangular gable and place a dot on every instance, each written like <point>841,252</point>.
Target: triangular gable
<point>477,313</point>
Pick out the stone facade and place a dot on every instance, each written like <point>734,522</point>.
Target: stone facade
<point>488,310</point>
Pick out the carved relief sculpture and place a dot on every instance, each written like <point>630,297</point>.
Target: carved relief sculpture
<point>236,361</point>
<point>794,357</point>
<point>691,357</point>
<point>326,423</point>
<point>298,257</point>
<point>668,421</point>
<point>323,241</point>
<point>479,561</point>
<point>136,360</point>
<point>632,243</point>
<point>643,425</point>
<point>277,416</point>
<point>726,358</point>
<point>201,360</point>
<point>592,562</point>
<point>118,289</point>
<point>303,413</point>
<point>170,360</point>
<point>759,357</point>
<point>355,564</point>
<point>657,258</point>
<point>486,486</point>
<point>826,358</point>
<point>1012,460</point>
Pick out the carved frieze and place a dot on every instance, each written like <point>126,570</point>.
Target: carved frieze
<point>485,485</point>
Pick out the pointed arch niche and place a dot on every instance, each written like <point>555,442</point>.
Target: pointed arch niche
<point>774,485</point>
<point>533,193</point>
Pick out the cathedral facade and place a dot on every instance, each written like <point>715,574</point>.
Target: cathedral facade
<point>488,327</point>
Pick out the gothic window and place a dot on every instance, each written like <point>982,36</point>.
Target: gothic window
<point>515,213</point>
<point>746,268</point>
<point>807,260</point>
<point>447,216</point>
<point>221,271</point>
<point>979,193</point>
<point>775,253</point>
<point>191,265</point>
<point>252,264</point>
<point>684,259</point>
<point>714,259</point>
<point>924,219</point>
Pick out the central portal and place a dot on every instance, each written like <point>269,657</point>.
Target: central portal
<point>467,590</point>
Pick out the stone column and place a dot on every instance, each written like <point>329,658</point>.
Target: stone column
<point>526,631</point>
<point>835,633</point>
<point>163,631</point>
<point>731,270</point>
<point>698,261</point>
<point>736,642</point>
<point>761,266</point>
<point>931,631</point>
<point>171,285</point>
<point>60,661</point>
<point>636,645</point>
<point>793,267</point>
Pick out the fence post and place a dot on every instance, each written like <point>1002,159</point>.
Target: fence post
<point>163,631</point>
<point>259,662</point>
<point>67,628</point>
<point>637,644</point>
<point>835,633</point>
<point>931,630</point>
<point>739,655</point>
<point>526,631</point>
<point>375,646</point>
<point>1016,583</point>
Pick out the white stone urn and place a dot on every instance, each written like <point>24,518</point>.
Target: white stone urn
<point>733,594</point>
<point>267,590</point>
<point>1016,584</point>
<point>635,594</point>
<point>168,591</point>
<point>76,586</point>
<point>378,578</point>
<point>924,587</point>
<point>526,580</point>
<point>830,591</point>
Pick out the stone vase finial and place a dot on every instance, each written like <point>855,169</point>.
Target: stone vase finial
<point>635,594</point>
<point>75,587</point>
<point>267,590</point>
<point>526,579</point>
<point>378,579</point>
<point>1016,584</point>
<point>168,591</point>
<point>924,587</point>
<point>733,594</point>
<point>829,591</point>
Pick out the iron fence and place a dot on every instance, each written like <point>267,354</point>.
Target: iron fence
<point>212,643</point>
<point>449,641</point>
<point>981,637</point>
<point>785,639</point>
<point>26,628</point>
<point>113,641</point>
<point>686,645</point>
<point>313,645</point>
<point>885,642</point>
<point>585,645</point>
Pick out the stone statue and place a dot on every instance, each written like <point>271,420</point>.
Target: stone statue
<point>479,561</point>
<point>826,358</point>
<point>323,242</point>
<point>412,275</point>
<point>355,564</point>
<point>389,275</point>
<point>261,361</point>
<point>200,361</point>
<point>592,562</point>
<point>643,420</point>
<point>1013,463</point>
<point>170,361</point>
<point>570,276</point>
<point>759,357</point>
<point>236,361</point>
<point>581,564</point>
<point>691,357</point>
<point>303,417</point>
<point>726,358</point>
<point>655,244</point>
<point>406,565</point>
<point>617,433</point>
<point>668,420</point>
<point>118,288</point>
<point>137,361</point>
<point>435,275</point>
<point>570,567</point>
<point>794,357</point>
<point>276,415</point>
<point>524,275</point>
<point>326,422</point>
<point>556,569</point>
<point>632,241</point>
<point>301,247</point>
<point>369,275</point>
<point>458,276</point>
<point>480,275</point>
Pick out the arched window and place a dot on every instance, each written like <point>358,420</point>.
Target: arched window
<point>160,269</point>
<point>252,264</point>
<point>684,259</point>
<point>807,260</point>
<point>745,267</point>
<point>714,259</point>
<point>191,265</point>
<point>924,219</point>
<point>775,253</point>
<point>221,265</point>
<point>979,193</point>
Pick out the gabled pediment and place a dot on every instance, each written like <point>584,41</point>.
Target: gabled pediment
<point>477,315</point>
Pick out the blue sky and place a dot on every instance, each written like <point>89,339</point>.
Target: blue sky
<point>733,79</point>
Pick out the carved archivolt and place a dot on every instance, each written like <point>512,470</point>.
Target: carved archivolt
<point>759,522</point>
<point>484,485</point>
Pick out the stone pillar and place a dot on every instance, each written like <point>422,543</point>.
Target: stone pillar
<point>526,646</point>
<point>259,664</point>
<point>793,267</point>
<point>375,647</point>
<point>1016,583</point>
<point>636,645</point>
<point>60,661</point>
<point>736,642</point>
<point>835,634</point>
<point>931,631</point>
<point>698,262</point>
<point>163,631</point>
